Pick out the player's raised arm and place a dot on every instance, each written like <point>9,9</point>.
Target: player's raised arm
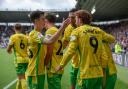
<point>58,33</point>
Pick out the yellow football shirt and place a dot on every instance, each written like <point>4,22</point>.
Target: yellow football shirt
<point>20,44</point>
<point>38,52</point>
<point>88,41</point>
<point>57,51</point>
<point>67,34</point>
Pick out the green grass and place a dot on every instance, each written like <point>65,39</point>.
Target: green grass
<point>121,85</point>
<point>8,73</point>
<point>122,73</point>
<point>122,82</point>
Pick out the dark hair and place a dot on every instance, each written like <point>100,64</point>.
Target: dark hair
<point>84,15</point>
<point>35,15</point>
<point>17,26</point>
<point>73,10</point>
<point>50,17</point>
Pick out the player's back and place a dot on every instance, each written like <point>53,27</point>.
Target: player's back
<point>20,44</point>
<point>90,47</point>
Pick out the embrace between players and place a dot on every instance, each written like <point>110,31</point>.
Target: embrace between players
<point>37,55</point>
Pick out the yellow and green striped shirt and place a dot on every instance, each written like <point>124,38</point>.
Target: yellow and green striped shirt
<point>38,52</point>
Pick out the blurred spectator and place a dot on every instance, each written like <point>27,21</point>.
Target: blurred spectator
<point>118,48</point>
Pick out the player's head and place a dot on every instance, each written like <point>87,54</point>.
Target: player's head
<point>83,17</point>
<point>72,15</point>
<point>17,27</point>
<point>50,19</point>
<point>37,17</point>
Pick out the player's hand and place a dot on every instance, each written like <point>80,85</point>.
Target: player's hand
<point>66,22</point>
<point>59,68</point>
<point>10,51</point>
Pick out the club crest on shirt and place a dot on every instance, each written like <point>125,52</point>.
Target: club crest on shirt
<point>40,36</point>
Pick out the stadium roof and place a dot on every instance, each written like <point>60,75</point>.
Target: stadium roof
<point>22,16</point>
<point>105,9</point>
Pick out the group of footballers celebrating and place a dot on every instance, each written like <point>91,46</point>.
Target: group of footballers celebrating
<point>37,55</point>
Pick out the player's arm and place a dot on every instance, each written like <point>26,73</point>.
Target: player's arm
<point>104,57</point>
<point>49,34</point>
<point>104,63</point>
<point>107,37</point>
<point>69,53</point>
<point>49,54</point>
<point>10,45</point>
<point>57,34</point>
<point>9,49</point>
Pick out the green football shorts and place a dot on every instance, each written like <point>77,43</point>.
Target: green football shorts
<point>73,75</point>
<point>92,83</point>
<point>21,68</point>
<point>36,84</point>
<point>54,81</point>
<point>110,80</point>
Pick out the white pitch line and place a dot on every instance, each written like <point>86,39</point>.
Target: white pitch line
<point>10,84</point>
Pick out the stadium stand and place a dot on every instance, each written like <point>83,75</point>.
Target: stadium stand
<point>117,10</point>
<point>105,10</point>
<point>22,16</point>
<point>120,31</point>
